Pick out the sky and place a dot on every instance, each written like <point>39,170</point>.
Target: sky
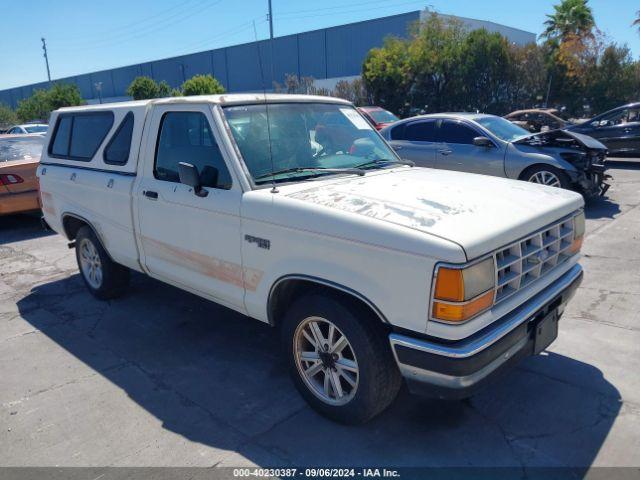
<point>87,36</point>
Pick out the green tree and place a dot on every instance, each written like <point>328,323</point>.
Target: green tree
<point>42,102</point>
<point>353,90</point>
<point>164,89</point>
<point>142,88</point>
<point>435,59</point>
<point>202,85</point>
<point>387,75</point>
<point>529,75</point>
<point>485,73</point>
<point>571,18</point>
<point>7,116</point>
<point>613,81</point>
<point>64,95</point>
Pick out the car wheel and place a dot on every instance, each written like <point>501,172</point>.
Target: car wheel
<point>104,278</point>
<point>339,358</point>
<point>547,175</point>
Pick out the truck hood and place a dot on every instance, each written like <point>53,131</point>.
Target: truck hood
<point>480,213</point>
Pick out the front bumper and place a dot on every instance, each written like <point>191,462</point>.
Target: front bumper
<point>457,369</point>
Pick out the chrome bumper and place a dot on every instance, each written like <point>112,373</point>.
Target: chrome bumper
<point>457,369</point>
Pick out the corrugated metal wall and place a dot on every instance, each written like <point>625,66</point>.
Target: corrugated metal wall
<point>327,53</point>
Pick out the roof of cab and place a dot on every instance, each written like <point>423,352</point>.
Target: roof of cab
<point>224,99</point>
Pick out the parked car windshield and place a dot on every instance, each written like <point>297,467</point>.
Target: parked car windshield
<point>383,116</point>
<point>305,136</point>
<point>20,148</point>
<point>36,128</point>
<point>503,129</point>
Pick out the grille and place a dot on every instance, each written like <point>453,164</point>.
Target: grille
<point>528,259</point>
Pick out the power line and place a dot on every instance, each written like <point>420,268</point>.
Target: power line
<point>188,48</point>
<point>148,30</point>
<point>133,25</point>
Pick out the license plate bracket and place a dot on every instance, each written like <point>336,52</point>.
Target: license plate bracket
<point>546,331</point>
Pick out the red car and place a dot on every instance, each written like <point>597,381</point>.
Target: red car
<point>378,117</point>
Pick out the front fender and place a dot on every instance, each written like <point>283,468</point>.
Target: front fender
<point>521,157</point>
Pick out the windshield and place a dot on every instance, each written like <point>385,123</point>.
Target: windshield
<point>25,148</point>
<point>304,135</point>
<point>36,128</point>
<point>503,129</point>
<point>383,116</point>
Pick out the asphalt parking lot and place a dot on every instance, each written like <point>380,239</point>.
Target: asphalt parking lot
<point>163,378</point>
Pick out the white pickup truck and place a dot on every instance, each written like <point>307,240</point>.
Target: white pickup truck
<point>294,211</point>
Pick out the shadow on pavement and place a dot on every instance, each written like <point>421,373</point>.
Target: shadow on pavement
<point>178,356</point>
<point>600,207</point>
<point>15,228</point>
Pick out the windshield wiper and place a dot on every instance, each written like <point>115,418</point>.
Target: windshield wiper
<point>380,161</point>
<point>354,171</point>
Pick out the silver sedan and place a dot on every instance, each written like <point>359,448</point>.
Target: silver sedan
<point>491,145</point>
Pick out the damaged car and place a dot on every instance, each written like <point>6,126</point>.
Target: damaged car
<point>491,145</point>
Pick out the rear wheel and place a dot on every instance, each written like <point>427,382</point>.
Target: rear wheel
<point>104,278</point>
<point>339,358</point>
<point>546,175</point>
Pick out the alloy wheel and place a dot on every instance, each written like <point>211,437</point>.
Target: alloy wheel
<point>326,360</point>
<point>90,263</point>
<point>545,177</point>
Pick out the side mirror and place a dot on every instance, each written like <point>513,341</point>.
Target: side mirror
<point>482,142</point>
<point>189,175</point>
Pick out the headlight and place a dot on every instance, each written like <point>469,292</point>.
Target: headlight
<point>575,157</point>
<point>578,233</point>
<point>462,293</point>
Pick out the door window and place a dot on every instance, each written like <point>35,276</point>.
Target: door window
<point>615,118</point>
<point>187,137</point>
<point>634,115</point>
<point>421,131</point>
<point>456,132</point>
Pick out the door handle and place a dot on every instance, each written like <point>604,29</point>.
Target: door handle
<point>396,147</point>
<point>445,152</point>
<point>150,194</point>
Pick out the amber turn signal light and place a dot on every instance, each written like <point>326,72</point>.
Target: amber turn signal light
<point>460,312</point>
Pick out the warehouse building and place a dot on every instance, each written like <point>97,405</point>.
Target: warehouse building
<point>327,55</point>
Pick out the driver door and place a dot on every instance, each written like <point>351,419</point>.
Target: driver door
<point>188,240</point>
<point>456,150</point>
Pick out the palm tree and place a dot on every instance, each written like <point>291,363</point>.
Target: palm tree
<point>636,22</point>
<point>572,18</point>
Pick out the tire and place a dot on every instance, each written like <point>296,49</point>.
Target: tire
<point>546,175</point>
<point>104,278</point>
<point>377,378</point>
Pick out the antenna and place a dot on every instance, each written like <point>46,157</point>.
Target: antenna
<point>274,189</point>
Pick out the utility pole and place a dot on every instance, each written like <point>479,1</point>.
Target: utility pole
<point>270,15</point>
<point>46,58</point>
<point>98,86</point>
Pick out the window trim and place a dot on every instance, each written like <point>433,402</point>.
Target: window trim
<point>213,136</point>
<point>128,115</point>
<point>73,115</point>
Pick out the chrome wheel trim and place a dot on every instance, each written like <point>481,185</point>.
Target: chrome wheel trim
<point>545,177</point>
<point>326,361</point>
<point>90,263</point>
